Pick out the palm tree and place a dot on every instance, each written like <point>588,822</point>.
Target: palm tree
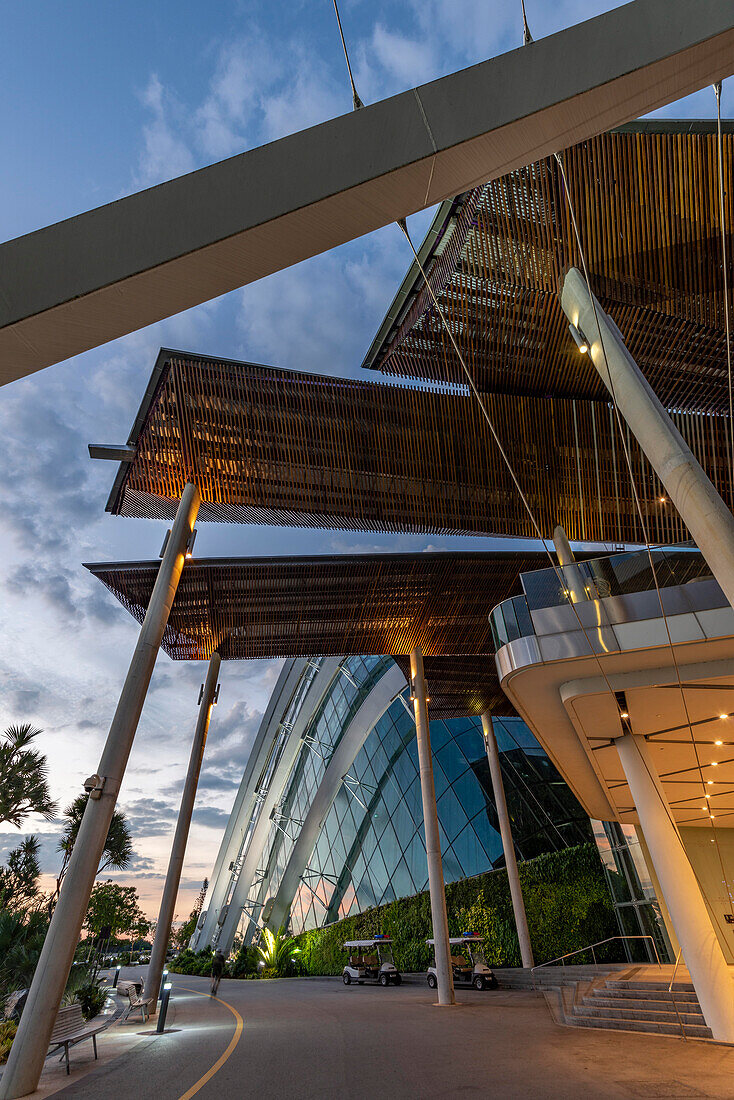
<point>23,780</point>
<point>118,847</point>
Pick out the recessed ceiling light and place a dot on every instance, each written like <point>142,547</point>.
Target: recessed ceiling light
<point>708,796</point>
<point>624,714</point>
<point>710,782</point>
<point>718,742</point>
<point>723,716</point>
<point>711,816</point>
<point>714,763</point>
<point>663,500</point>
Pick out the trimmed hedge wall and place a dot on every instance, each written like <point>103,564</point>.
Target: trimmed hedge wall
<point>567,902</point>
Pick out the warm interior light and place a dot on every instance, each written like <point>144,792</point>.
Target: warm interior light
<point>663,500</point>
<point>581,342</point>
<point>711,816</point>
<point>708,796</point>
<point>624,714</point>
<point>723,716</point>
<point>714,763</point>
<point>710,782</point>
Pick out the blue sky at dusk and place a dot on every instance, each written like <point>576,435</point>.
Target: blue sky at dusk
<point>102,100</point>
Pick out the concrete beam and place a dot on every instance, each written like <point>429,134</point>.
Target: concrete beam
<point>90,279</point>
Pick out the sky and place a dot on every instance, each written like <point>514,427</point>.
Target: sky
<point>102,100</point>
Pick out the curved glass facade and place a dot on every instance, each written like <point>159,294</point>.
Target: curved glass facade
<point>371,847</point>
<point>327,836</point>
<point>365,841</point>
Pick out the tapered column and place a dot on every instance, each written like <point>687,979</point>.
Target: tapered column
<point>181,836</point>
<point>701,508</point>
<point>436,887</point>
<point>498,788</point>
<point>572,574</point>
<point>701,949</point>
<point>31,1041</point>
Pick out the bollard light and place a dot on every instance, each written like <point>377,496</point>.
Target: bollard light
<point>162,986</point>
<point>164,1007</point>
<point>117,975</point>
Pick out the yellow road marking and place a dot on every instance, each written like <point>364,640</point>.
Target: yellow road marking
<point>220,1061</point>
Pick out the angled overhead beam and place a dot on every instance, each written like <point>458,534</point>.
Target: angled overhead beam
<point>95,277</point>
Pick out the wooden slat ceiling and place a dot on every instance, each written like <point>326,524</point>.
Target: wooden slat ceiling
<point>354,604</point>
<point>647,204</point>
<point>285,447</point>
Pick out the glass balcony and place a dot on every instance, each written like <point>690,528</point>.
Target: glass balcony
<point>599,578</point>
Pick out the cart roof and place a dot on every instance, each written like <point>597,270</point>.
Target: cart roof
<point>460,939</point>
<point>368,943</point>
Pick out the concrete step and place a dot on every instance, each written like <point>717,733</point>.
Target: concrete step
<point>645,986</point>
<point>644,1015</point>
<point>597,999</point>
<point>693,1031</point>
<point>661,996</point>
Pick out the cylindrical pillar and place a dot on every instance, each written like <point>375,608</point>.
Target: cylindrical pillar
<point>701,949</point>
<point>571,573</point>
<point>701,508</point>
<point>436,887</point>
<point>30,1046</point>
<point>518,905</point>
<point>181,836</point>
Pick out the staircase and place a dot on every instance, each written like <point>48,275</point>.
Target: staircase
<point>624,1004</point>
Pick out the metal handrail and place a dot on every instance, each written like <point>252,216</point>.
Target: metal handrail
<point>671,991</point>
<point>590,947</point>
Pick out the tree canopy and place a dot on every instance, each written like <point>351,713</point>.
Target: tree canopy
<point>23,776</point>
<point>115,908</point>
<point>118,848</point>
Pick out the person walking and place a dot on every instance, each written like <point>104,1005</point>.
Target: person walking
<point>217,970</point>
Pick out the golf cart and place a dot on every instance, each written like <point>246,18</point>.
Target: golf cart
<point>473,971</point>
<point>371,961</point>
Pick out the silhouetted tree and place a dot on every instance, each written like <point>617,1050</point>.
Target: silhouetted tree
<point>23,776</point>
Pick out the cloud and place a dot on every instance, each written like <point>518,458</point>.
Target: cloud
<point>210,817</point>
<point>165,154</point>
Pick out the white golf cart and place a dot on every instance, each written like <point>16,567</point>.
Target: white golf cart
<point>472,971</point>
<point>371,961</point>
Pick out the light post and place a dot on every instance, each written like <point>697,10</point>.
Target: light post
<point>165,998</point>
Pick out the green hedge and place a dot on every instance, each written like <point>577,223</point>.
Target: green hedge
<point>567,902</point>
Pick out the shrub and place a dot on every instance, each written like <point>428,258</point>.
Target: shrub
<point>8,1029</point>
<point>566,899</point>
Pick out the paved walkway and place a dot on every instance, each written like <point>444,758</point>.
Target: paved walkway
<point>317,1038</point>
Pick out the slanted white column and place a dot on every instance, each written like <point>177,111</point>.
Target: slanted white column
<point>30,1046</point>
<point>571,572</point>
<point>518,905</point>
<point>436,887</point>
<point>701,508</point>
<point>181,836</point>
<point>701,949</point>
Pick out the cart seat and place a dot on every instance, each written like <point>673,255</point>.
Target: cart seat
<point>371,960</point>
<point>459,960</point>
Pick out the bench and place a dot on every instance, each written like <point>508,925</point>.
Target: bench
<point>137,1001</point>
<point>70,1029</point>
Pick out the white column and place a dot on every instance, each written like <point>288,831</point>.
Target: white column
<point>518,905</point>
<point>701,949</point>
<point>701,508</point>
<point>436,887</point>
<point>181,836</point>
<point>30,1046</point>
<point>571,572</point>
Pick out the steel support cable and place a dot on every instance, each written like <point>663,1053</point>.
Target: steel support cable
<point>355,97</point>
<point>725,273</point>
<point>643,524</point>
<point>493,431</point>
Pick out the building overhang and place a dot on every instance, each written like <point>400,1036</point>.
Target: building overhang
<point>78,284</point>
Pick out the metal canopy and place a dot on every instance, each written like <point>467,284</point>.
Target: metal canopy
<point>92,278</point>
<point>248,608</point>
<point>646,199</point>
<point>284,447</point>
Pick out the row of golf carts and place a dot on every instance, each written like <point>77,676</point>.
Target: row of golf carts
<point>372,961</point>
